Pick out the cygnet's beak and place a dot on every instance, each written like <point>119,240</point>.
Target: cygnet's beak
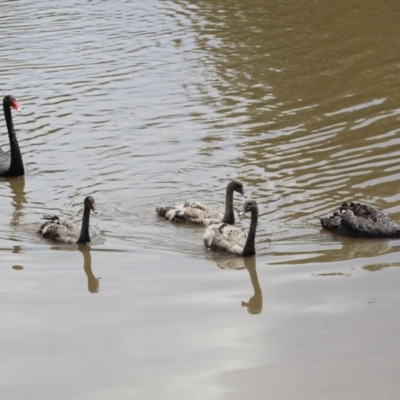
<point>243,210</point>
<point>243,193</point>
<point>94,210</point>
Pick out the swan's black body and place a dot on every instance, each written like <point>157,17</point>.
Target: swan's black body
<point>230,239</point>
<point>361,220</point>
<point>11,164</point>
<point>62,231</point>
<point>203,214</point>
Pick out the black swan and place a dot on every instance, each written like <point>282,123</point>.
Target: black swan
<point>62,231</point>
<point>11,164</point>
<point>203,214</point>
<point>230,239</point>
<point>361,220</point>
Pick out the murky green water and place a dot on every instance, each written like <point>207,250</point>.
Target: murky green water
<point>142,104</point>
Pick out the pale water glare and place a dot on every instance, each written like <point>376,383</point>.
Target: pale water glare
<point>149,103</point>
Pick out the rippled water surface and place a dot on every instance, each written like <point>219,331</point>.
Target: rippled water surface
<point>142,104</point>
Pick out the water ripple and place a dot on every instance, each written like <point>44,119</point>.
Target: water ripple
<point>142,104</point>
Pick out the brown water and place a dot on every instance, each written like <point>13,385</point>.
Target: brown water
<point>143,104</point>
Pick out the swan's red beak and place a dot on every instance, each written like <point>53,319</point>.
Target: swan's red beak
<point>94,210</point>
<point>15,105</point>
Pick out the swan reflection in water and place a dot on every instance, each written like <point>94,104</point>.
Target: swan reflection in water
<point>367,248</point>
<point>17,186</point>
<point>255,304</point>
<point>17,249</point>
<point>93,282</point>
<point>352,248</point>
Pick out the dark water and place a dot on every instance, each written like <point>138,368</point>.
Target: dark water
<point>143,104</point>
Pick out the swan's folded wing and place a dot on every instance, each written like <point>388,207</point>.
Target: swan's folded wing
<point>364,227</point>
<point>366,211</point>
<point>199,206</point>
<point>371,213</point>
<point>61,231</point>
<point>225,238</point>
<point>195,215</point>
<point>163,211</point>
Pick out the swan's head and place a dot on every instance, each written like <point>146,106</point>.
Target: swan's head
<point>237,186</point>
<point>89,203</point>
<point>249,206</point>
<point>345,207</point>
<point>10,101</point>
<point>350,213</point>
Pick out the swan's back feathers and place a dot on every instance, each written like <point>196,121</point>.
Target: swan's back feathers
<point>196,213</point>
<point>60,230</point>
<point>369,227</point>
<point>361,220</point>
<point>365,211</point>
<point>200,206</point>
<point>225,238</point>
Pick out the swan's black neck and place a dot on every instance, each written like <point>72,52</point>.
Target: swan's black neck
<point>250,248</point>
<point>229,216</point>
<point>16,165</point>
<point>84,236</point>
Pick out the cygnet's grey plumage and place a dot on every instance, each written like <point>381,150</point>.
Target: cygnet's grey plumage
<point>62,231</point>
<point>230,239</point>
<point>361,220</point>
<point>203,214</point>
